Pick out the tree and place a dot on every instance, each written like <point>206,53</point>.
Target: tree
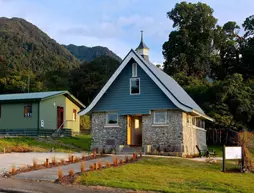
<point>87,80</point>
<point>188,49</point>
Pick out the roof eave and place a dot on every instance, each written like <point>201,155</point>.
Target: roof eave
<point>203,115</point>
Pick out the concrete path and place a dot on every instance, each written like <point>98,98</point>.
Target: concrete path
<point>50,174</point>
<point>23,159</point>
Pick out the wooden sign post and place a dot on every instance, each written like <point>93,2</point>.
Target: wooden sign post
<point>232,153</point>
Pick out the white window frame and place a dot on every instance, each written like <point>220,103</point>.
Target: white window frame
<point>160,123</point>
<point>134,69</point>
<point>107,123</point>
<point>138,88</point>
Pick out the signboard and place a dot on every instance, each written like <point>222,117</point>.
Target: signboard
<point>233,152</point>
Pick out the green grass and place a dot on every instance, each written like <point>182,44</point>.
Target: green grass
<point>33,144</point>
<point>78,143</point>
<point>171,175</point>
<point>82,142</point>
<point>217,149</point>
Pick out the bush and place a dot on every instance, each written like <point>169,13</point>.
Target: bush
<point>246,140</point>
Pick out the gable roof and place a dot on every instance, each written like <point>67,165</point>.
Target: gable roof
<point>37,96</point>
<point>167,84</point>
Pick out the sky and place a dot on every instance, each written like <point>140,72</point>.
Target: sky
<point>115,24</point>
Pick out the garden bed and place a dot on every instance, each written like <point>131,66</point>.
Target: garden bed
<point>51,164</point>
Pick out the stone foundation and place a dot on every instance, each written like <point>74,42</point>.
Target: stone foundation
<point>101,133</point>
<point>168,136</point>
<point>177,135</point>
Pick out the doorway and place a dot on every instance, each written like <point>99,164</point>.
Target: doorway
<point>60,117</point>
<point>134,130</point>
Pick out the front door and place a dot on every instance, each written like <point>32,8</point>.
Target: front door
<point>60,117</point>
<point>134,130</point>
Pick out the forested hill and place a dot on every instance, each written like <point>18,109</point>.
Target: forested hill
<point>25,46</point>
<point>88,54</point>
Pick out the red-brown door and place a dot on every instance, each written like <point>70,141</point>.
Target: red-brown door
<point>60,117</point>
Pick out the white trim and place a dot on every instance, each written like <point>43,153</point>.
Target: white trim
<point>140,61</point>
<point>202,129</point>
<point>134,69</point>
<point>113,124</point>
<point>138,88</point>
<point>160,123</point>
<point>154,125</point>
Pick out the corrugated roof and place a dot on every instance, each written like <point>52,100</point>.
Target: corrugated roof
<point>26,96</point>
<point>172,86</point>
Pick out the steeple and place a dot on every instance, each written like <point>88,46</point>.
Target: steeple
<point>142,49</point>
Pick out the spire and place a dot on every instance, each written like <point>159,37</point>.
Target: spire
<point>142,48</point>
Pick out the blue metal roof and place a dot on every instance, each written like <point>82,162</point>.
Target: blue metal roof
<point>28,96</point>
<point>172,86</point>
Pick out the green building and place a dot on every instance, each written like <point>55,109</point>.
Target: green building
<point>39,113</point>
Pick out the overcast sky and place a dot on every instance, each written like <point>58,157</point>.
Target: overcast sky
<point>115,24</point>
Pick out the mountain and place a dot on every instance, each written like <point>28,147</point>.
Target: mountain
<point>88,54</point>
<point>25,46</point>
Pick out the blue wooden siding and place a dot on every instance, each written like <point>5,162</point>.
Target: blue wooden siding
<point>118,98</point>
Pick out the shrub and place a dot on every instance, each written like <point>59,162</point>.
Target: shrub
<point>126,159</point>
<point>99,165</point>
<point>95,166</point>
<point>91,167</point>
<point>121,161</point>
<point>35,164</point>
<point>76,159</point>
<point>134,156</point>
<point>246,140</point>
<point>54,162</point>
<point>71,158</point>
<point>60,174</point>
<point>140,154</point>
<point>115,161</point>
<point>62,161</point>
<point>108,164</point>
<point>82,167</point>
<point>71,172</point>
<point>13,170</point>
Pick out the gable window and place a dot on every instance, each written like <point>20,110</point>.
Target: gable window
<point>134,86</point>
<point>112,119</point>
<point>74,115</point>
<point>134,70</point>
<point>160,117</point>
<point>28,110</point>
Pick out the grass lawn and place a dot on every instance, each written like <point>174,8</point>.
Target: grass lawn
<point>217,149</point>
<point>171,175</point>
<point>78,143</point>
<point>82,142</point>
<point>32,144</point>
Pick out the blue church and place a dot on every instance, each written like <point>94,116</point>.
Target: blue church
<point>142,106</point>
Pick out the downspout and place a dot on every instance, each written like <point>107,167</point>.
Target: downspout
<point>38,127</point>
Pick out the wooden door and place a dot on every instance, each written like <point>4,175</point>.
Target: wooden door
<point>129,130</point>
<point>60,117</point>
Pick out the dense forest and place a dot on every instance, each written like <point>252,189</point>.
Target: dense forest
<point>31,61</point>
<point>84,53</point>
<point>214,64</point>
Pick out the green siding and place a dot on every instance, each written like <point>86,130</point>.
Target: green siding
<point>48,111</point>
<point>12,116</point>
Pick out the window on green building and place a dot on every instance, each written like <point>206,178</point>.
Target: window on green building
<point>28,110</point>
